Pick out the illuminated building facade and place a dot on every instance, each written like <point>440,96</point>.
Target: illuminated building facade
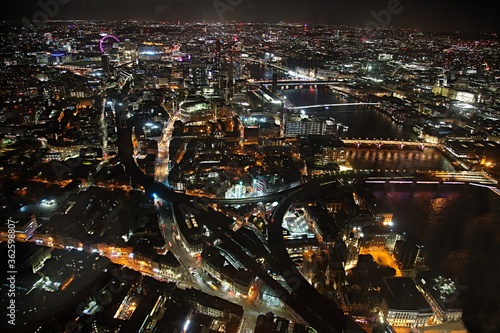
<point>213,306</point>
<point>473,153</point>
<point>379,237</point>
<point>22,231</point>
<point>190,233</point>
<point>409,255</point>
<point>443,296</point>
<point>147,259</point>
<point>269,297</point>
<point>225,268</point>
<point>332,155</point>
<point>198,73</point>
<point>402,303</point>
<point>307,126</point>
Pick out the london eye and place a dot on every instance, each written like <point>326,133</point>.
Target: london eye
<point>106,43</point>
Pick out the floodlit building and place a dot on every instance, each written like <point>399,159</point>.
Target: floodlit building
<point>443,296</point>
<point>223,266</point>
<point>166,265</point>
<point>190,232</point>
<point>403,305</point>
<point>23,229</point>
<point>294,127</point>
<point>379,237</point>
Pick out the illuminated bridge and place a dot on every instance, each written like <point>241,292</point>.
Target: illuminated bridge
<point>306,82</point>
<point>440,177</point>
<point>328,105</point>
<point>380,142</point>
<point>262,62</point>
<point>300,79</point>
<point>466,177</point>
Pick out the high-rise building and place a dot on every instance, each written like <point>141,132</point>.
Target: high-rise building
<point>294,127</point>
<point>106,66</point>
<point>127,45</point>
<point>198,74</point>
<point>409,255</point>
<point>303,126</point>
<point>331,154</point>
<point>24,228</point>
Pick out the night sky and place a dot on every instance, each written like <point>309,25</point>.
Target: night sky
<point>446,15</point>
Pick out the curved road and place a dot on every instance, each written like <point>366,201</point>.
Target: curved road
<point>314,308</point>
<point>322,307</point>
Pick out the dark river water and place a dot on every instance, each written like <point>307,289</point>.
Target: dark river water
<point>368,123</point>
<point>362,122</point>
<point>460,226</point>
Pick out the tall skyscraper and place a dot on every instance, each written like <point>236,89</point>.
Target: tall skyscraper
<point>106,67</point>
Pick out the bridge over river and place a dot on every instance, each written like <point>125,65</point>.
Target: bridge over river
<point>328,105</point>
<point>380,142</point>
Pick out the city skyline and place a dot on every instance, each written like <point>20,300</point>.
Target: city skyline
<point>428,15</point>
<point>192,176</point>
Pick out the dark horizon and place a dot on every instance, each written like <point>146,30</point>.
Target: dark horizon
<point>425,14</point>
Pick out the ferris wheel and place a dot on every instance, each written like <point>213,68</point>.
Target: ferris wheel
<point>106,43</point>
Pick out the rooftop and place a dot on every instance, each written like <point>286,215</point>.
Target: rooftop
<point>400,293</point>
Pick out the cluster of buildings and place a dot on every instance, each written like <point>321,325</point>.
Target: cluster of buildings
<point>333,241</point>
<point>197,109</point>
<point>211,65</point>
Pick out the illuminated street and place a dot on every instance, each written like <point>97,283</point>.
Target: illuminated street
<point>383,258</point>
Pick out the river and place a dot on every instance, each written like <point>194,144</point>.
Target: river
<point>459,224</point>
<point>362,122</point>
<point>369,123</point>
